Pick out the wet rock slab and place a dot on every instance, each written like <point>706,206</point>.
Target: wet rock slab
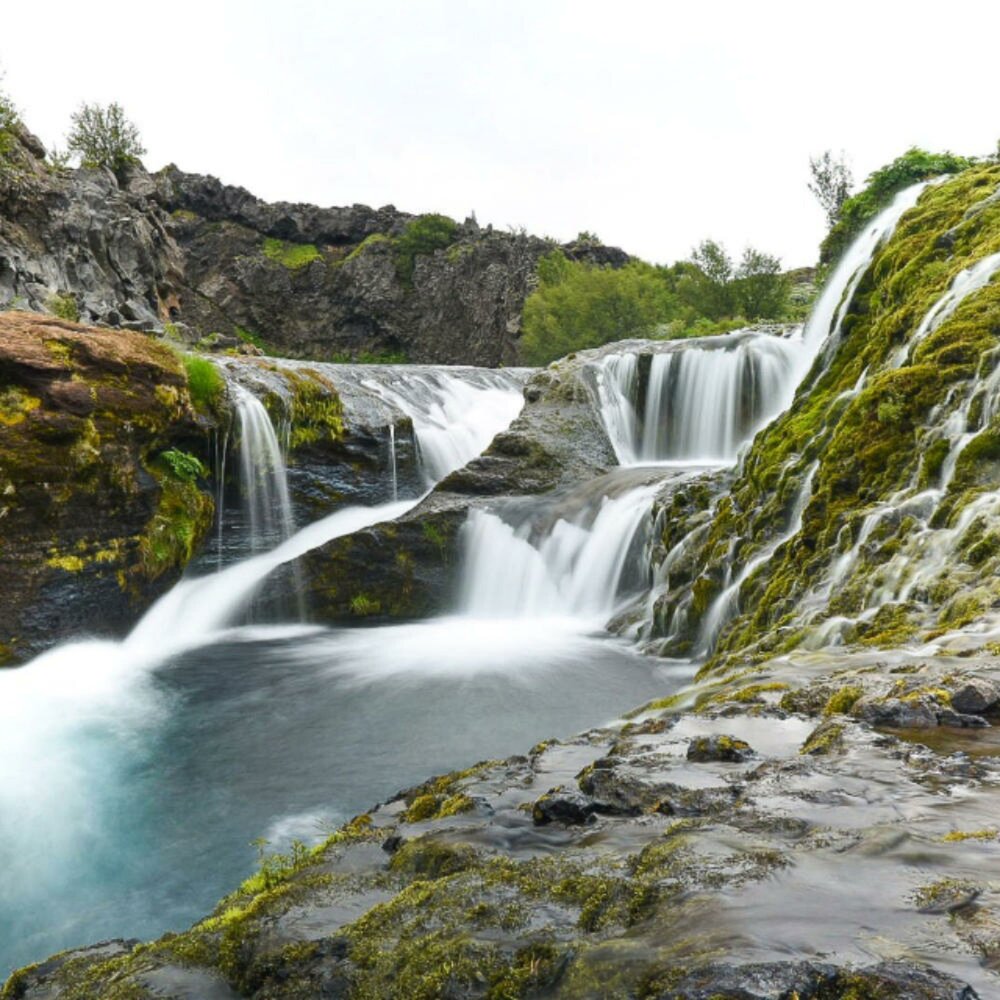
<point>613,865</point>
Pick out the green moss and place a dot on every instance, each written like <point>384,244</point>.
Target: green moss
<point>290,255</point>
<point>893,625</point>
<point>64,306</point>
<point>362,605</point>
<point>367,242</point>
<point>824,739</point>
<point>182,519</point>
<point>205,384</point>
<point>316,413</point>
<point>15,405</point>
<point>960,835</point>
<point>69,564</point>
<point>842,701</point>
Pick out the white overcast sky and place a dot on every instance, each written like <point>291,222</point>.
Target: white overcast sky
<point>652,124</point>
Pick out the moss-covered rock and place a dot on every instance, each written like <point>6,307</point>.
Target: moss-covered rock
<point>101,502</point>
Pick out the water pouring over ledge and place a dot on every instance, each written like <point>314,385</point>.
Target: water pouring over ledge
<point>157,775</point>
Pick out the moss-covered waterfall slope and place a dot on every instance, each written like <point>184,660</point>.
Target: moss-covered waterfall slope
<point>891,450</point>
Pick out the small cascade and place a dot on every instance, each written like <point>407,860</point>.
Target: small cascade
<point>455,413</point>
<point>392,462</point>
<point>263,477</point>
<point>725,607</point>
<point>822,330</point>
<point>966,282</point>
<point>195,609</point>
<point>544,565</point>
<point>703,399</point>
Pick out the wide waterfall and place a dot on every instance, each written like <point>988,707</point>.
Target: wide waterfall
<point>542,563</point>
<point>703,400</point>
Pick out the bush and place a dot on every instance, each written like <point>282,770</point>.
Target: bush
<point>578,305</point>
<point>913,166</point>
<point>104,137</point>
<point>423,235</point>
<point>9,120</point>
<point>65,307</point>
<point>205,384</point>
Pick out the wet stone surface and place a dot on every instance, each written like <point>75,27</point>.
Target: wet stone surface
<point>830,860</point>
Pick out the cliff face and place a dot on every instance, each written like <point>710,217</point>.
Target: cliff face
<point>100,506</point>
<point>333,283</point>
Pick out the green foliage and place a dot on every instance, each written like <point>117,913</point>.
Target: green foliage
<point>831,184</point>
<point>104,137</point>
<point>760,289</point>
<point>9,120</point>
<point>205,383</point>
<point>291,255</point>
<point>914,165</point>
<point>423,235</point>
<point>716,287</point>
<point>65,307</point>
<point>577,306</point>
<point>249,337</point>
<point>183,465</point>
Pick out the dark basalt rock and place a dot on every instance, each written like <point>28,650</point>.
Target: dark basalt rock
<point>975,696</point>
<point>139,250</point>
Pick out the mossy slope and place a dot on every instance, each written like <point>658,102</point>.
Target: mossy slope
<point>877,423</point>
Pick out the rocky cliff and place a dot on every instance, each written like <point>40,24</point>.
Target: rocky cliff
<point>145,250</point>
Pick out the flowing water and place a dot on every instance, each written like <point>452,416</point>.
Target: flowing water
<point>133,774</point>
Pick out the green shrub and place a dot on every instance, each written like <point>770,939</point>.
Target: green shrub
<point>423,235</point>
<point>9,120</point>
<point>104,137</point>
<point>914,165</point>
<point>578,305</point>
<point>65,307</point>
<point>205,383</point>
<point>291,255</point>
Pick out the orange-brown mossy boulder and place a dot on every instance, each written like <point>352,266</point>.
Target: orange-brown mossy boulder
<point>94,523</point>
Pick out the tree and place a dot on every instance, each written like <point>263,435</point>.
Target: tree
<point>104,137</point>
<point>880,187</point>
<point>760,289</point>
<point>831,184</point>
<point>709,286</point>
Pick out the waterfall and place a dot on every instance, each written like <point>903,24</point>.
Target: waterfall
<point>263,477</point>
<point>703,399</point>
<point>706,398</point>
<point>822,329</point>
<point>392,461</point>
<point>455,413</point>
<point>576,566</point>
<point>703,404</point>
